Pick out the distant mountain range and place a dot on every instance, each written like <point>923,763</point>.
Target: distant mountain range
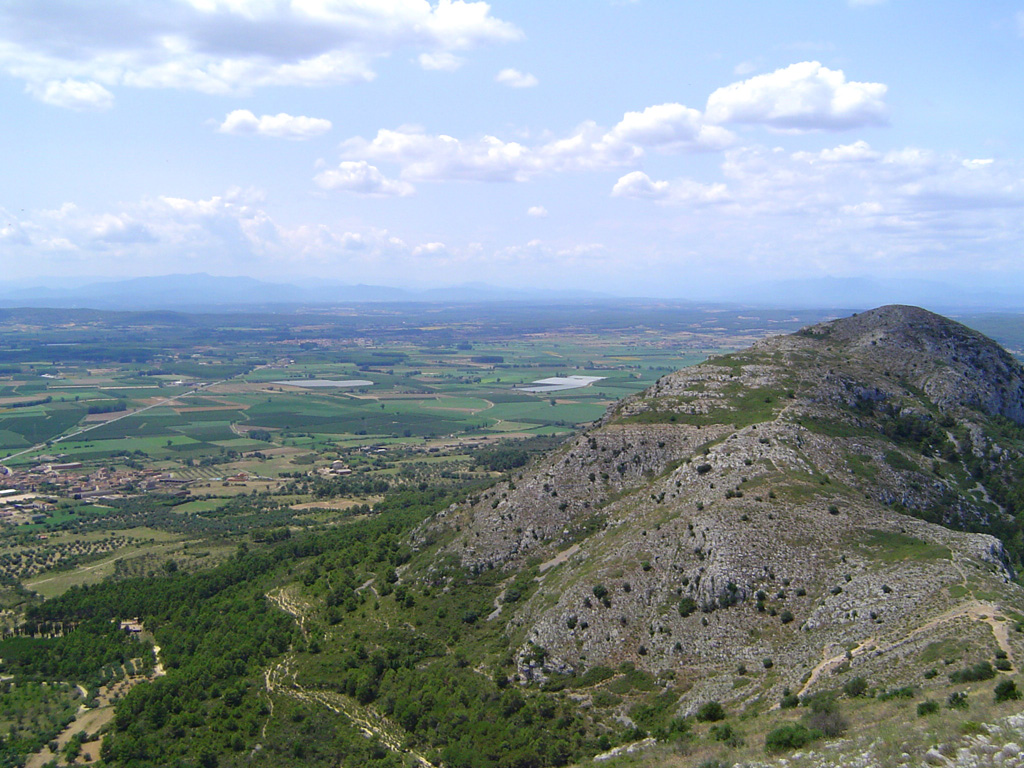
<point>836,292</point>
<point>207,293</point>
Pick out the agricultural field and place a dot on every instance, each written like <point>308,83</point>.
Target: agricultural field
<point>142,443</point>
<point>157,449</point>
<point>177,388</point>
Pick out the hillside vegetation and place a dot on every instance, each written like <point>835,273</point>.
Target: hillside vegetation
<point>815,538</point>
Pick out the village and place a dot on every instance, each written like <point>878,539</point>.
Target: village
<point>29,495</point>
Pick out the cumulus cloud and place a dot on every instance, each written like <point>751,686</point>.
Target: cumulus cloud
<point>225,232</point>
<point>537,211</point>
<point>229,46</point>
<point>427,157</point>
<point>669,127</point>
<point>72,94</point>
<point>513,78</point>
<point>362,178</point>
<point>859,151</point>
<point>911,184</point>
<point>233,232</point>
<point>804,96</point>
<point>444,61</point>
<point>639,184</point>
<point>845,205</point>
<point>280,126</point>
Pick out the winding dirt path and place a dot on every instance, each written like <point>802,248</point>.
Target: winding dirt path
<point>281,679</point>
<point>91,720</point>
<point>976,610</point>
<point>284,599</point>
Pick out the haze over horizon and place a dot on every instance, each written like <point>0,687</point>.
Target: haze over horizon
<point>630,148</point>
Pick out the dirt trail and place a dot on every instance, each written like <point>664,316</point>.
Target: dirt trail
<point>560,558</point>
<point>368,720</point>
<point>286,600</point>
<point>975,610</point>
<point>830,662</point>
<point>281,679</point>
<point>90,721</point>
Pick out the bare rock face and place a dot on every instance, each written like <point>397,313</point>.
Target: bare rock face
<point>952,364</point>
<point>790,507</point>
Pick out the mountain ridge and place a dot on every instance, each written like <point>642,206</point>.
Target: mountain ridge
<point>770,504</point>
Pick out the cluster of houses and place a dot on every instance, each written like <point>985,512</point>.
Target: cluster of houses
<point>17,507</point>
<point>336,469</point>
<point>26,494</point>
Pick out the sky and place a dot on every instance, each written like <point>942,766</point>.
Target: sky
<point>647,147</point>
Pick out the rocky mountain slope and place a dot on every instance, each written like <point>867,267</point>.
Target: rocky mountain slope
<point>820,504</point>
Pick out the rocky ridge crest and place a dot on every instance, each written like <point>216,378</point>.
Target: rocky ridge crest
<point>790,508</point>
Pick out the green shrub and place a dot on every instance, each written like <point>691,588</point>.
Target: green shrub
<point>687,606</point>
<point>786,616</point>
<point>789,736</point>
<point>957,700</point>
<point>855,686</point>
<point>980,671</point>
<point>710,712</point>
<point>1003,665</point>
<point>824,716</point>
<point>1006,690</point>
<point>726,734</point>
<point>927,708</point>
<point>906,692</point>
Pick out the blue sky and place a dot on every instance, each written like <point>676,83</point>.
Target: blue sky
<point>654,148</point>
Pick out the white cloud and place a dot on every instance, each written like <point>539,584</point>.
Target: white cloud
<point>444,61</point>
<point>224,233</point>
<point>537,211</point>
<point>513,78</point>
<point>232,233</point>
<point>362,178</point>
<point>842,208</point>
<point>924,187</point>
<point>680,191</point>
<point>232,46</point>
<point>72,94</point>
<point>429,249</point>
<point>804,96</point>
<point>426,157</point>
<point>669,127</point>
<point>280,126</point>
<point>859,151</point>
<point>639,184</point>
